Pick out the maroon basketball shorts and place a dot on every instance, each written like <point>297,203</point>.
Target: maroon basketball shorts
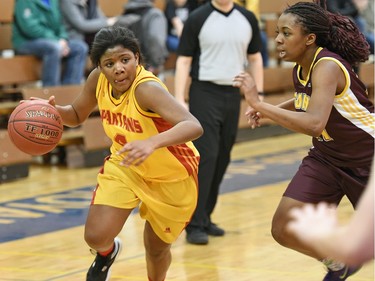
<point>318,180</point>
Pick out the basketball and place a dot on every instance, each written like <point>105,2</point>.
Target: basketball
<point>35,127</point>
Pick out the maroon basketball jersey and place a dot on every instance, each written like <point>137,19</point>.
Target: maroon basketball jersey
<point>348,138</point>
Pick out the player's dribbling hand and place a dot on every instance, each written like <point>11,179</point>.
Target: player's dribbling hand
<point>51,100</point>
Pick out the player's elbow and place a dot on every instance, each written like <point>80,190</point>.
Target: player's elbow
<point>198,131</point>
<point>315,128</point>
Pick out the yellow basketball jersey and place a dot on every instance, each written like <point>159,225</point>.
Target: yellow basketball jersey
<point>125,121</point>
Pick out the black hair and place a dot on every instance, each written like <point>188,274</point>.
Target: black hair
<point>335,32</point>
<point>109,37</point>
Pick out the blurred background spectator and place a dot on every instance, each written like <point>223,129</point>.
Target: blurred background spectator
<point>366,10</point>
<point>355,9</point>
<point>176,12</point>
<point>149,25</point>
<point>38,30</point>
<point>83,18</point>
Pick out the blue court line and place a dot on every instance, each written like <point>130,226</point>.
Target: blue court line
<point>56,211</point>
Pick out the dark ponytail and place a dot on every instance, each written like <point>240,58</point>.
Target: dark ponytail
<point>335,32</point>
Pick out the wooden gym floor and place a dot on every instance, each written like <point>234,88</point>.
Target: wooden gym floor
<point>42,217</point>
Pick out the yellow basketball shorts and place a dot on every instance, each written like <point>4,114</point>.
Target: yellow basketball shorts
<point>167,206</point>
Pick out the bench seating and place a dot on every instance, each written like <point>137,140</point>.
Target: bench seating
<point>16,71</point>
<point>13,162</point>
<point>6,11</point>
<point>114,8</point>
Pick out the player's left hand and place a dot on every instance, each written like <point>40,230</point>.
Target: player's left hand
<point>253,117</point>
<point>245,82</point>
<point>136,152</point>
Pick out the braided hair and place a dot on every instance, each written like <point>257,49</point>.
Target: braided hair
<point>336,32</point>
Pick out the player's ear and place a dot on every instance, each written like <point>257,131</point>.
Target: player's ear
<point>310,39</point>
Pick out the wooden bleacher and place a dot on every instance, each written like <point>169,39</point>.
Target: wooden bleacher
<point>13,162</point>
<point>15,71</point>
<point>18,71</point>
<point>276,6</point>
<point>114,8</point>
<point>6,35</point>
<point>6,11</point>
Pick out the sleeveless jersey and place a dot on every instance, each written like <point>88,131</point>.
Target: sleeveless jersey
<point>124,121</point>
<point>348,138</point>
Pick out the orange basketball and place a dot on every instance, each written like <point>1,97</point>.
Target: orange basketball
<point>35,127</point>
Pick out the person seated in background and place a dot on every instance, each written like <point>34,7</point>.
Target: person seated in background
<point>176,12</point>
<point>149,25</point>
<point>38,30</point>
<point>83,18</point>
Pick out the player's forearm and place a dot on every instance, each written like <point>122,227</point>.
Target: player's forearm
<point>69,115</point>
<point>182,132</point>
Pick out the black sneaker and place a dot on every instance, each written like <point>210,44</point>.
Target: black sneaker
<point>197,236</point>
<point>214,230</point>
<point>341,274</point>
<point>100,268</point>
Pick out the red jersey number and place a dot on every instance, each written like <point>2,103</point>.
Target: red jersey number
<point>120,139</point>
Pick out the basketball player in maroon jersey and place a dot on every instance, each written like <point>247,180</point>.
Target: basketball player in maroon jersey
<point>330,104</point>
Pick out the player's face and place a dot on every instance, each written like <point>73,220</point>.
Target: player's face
<point>290,39</point>
<point>119,65</point>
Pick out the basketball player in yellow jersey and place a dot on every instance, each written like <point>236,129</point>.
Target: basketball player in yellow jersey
<point>153,164</point>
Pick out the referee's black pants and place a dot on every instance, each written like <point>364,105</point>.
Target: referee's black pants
<point>217,108</point>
